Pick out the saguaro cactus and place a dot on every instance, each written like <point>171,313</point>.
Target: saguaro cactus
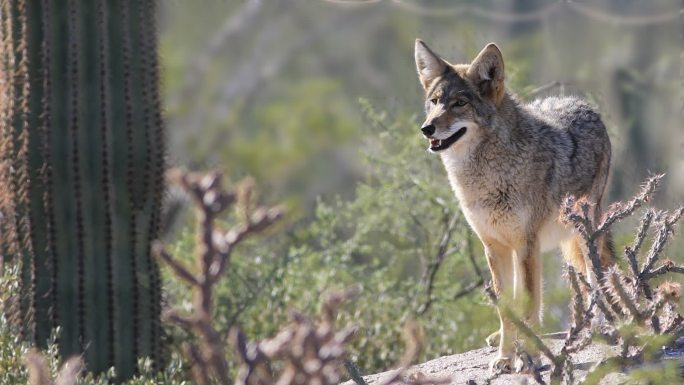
<point>81,174</point>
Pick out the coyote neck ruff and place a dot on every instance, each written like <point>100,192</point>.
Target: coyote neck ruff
<point>497,178</point>
<point>510,165</point>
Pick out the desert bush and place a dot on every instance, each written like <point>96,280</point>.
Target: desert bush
<point>401,240</point>
<point>301,353</point>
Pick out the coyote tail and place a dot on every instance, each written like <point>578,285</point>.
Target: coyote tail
<point>576,252</point>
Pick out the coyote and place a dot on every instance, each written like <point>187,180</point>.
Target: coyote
<point>510,164</point>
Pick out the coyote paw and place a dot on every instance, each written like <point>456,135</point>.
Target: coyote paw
<point>493,339</point>
<point>500,365</point>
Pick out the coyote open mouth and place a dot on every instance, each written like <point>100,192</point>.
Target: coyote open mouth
<point>442,144</point>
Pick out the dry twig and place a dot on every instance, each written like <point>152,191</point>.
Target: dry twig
<point>214,249</point>
<point>306,352</point>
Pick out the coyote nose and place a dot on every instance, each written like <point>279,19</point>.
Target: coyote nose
<point>428,130</point>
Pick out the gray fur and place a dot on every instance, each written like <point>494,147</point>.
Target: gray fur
<point>540,153</point>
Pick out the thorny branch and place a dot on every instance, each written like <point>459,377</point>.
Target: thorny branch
<point>521,325</point>
<point>310,353</point>
<point>476,268</point>
<point>432,269</point>
<point>633,311</point>
<point>214,249</point>
<point>430,273</point>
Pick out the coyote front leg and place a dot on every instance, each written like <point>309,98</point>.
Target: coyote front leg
<point>500,260</point>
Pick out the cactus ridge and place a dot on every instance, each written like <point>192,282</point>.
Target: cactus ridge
<point>147,72</point>
<point>46,170</point>
<point>20,186</point>
<point>126,55</point>
<point>104,130</point>
<point>76,164</point>
<point>160,161</point>
<point>9,246</point>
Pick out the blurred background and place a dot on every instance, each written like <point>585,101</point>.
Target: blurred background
<point>270,88</point>
<point>319,102</point>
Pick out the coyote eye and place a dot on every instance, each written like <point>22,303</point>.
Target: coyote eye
<point>434,101</point>
<point>459,103</point>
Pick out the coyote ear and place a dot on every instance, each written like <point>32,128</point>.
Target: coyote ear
<point>487,73</point>
<point>429,65</point>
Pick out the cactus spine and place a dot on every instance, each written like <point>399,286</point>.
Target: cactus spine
<point>81,174</point>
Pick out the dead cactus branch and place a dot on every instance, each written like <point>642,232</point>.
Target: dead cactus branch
<point>304,352</point>
<point>529,335</point>
<point>620,211</point>
<point>632,251</point>
<point>621,301</point>
<point>307,352</point>
<point>665,231</point>
<point>214,249</point>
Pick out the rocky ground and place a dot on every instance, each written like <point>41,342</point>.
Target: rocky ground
<point>472,368</point>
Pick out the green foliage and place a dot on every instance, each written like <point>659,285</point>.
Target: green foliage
<point>384,240</point>
<point>669,372</point>
<point>13,351</point>
<point>81,169</point>
<point>12,370</point>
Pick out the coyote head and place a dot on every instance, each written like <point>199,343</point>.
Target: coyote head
<point>461,99</point>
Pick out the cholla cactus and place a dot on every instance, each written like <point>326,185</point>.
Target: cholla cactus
<point>633,311</point>
<point>310,353</point>
<point>307,353</point>
<point>214,250</point>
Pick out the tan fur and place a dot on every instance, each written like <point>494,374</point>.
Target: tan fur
<point>510,165</point>
<point>572,252</point>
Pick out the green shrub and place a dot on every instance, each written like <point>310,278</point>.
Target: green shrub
<point>384,240</point>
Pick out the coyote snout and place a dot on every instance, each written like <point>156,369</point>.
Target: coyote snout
<point>428,130</point>
<point>442,139</point>
<point>510,165</point>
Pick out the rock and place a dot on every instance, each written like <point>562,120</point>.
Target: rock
<point>472,367</point>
